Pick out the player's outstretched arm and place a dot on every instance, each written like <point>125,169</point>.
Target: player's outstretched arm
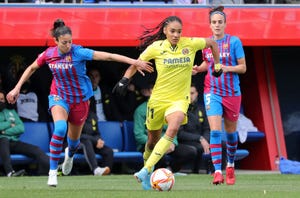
<point>200,68</point>
<point>139,64</point>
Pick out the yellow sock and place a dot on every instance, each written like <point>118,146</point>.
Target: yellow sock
<point>158,152</point>
<point>146,153</point>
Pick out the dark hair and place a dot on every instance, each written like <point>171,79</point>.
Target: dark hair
<point>153,34</point>
<point>59,28</point>
<point>217,10</point>
<point>3,92</point>
<point>194,85</point>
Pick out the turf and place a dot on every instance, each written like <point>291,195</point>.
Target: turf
<point>248,185</point>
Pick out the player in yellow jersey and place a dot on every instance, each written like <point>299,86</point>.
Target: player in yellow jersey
<point>174,59</point>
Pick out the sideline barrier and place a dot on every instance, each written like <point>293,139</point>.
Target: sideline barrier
<point>119,138</point>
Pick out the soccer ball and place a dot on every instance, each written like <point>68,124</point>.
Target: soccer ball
<point>162,179</point>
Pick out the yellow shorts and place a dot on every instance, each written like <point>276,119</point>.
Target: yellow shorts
<point>158,110</point>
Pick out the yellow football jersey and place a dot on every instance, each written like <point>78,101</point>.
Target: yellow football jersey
<point>174,67</point>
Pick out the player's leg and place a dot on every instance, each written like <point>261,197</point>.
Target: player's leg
<point>73,140</point>
<point>174,116</point>
<point>59,115</point>
<point>155,119</point>
<point>143,175</point>
<point>214,111</point>
<point>231,113</point>
<point>77,116</point>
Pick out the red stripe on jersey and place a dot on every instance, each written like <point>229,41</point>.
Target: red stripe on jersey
<point>69,77</point>
<point>223,43</point>
<point>230,90</point>
<point>61,85</point>
<point>77,85</point>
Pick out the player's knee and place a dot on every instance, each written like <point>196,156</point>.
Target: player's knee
<point>60,128</point>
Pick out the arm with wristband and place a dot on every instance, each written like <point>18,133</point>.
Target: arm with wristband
<point>216,55</point>
<point>121,87</point>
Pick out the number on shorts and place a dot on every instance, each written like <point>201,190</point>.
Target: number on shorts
<point>207,99</point>
<point>150,112</point>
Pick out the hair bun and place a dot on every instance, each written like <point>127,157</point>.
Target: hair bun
<point>58,23</point>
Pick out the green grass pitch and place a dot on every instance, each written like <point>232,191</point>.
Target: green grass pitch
<point>247,185</point>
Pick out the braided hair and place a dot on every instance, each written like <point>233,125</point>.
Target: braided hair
<point>157,33</point>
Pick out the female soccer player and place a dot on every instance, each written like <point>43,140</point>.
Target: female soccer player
<point>222,95</point>
<point>174,58</point>
<point>70,91</point>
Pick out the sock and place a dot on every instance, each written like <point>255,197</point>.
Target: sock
<point>146,153</point>
<point>158,152</point>
<point>216,149</point>
<point>73,146</point>
<point>232,142</point>
<point>56,143</point>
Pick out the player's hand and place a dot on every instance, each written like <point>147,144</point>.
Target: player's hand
<point>195,70</point>
<point>217,70</point>
<point>121,87</point>
<point>12,96</point>
<point>142,66</point>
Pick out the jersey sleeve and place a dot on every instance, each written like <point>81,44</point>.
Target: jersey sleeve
<point>198,43</point>
<point>204,52</point>
<point>41,59</point>
<point>149,53</point>
<point>84,53</point>
<point>238,46</point>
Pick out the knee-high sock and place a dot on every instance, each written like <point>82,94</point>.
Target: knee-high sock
<point>216,149</point>
<point>73,146</point>
<point>232,142</point>
<point>146,153</point>
<point>56,143</point>
<point>158,152</point>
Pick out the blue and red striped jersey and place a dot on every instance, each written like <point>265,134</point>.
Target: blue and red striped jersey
<point>69,72</point>
<point>228,84</point>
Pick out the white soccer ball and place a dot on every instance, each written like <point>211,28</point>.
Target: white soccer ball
<point>162,179</point>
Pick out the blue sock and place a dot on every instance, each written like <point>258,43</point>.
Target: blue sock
<point>56,143</point>
<point>216,149</point>
<point>232,142</point>
<point>73,146</point>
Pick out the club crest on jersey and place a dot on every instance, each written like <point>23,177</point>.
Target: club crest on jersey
<point>56,98</point>
<point>185,51</point>
<point>163,52</point>
<point>225,46</point>
<point>68,58</point>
